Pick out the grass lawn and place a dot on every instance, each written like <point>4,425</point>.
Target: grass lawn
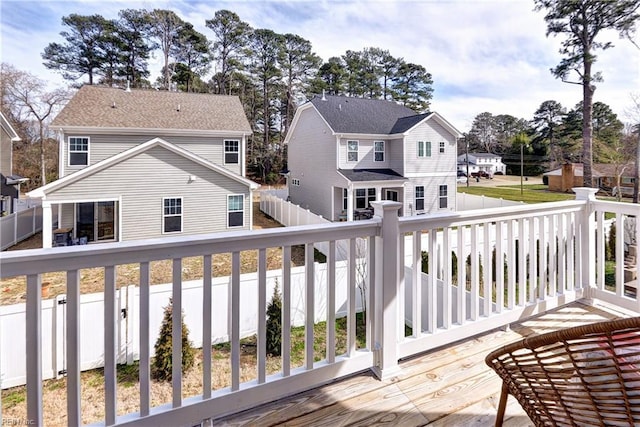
<point>534,193</point>
<point>92,388</point>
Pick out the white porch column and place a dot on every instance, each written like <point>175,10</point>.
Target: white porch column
<point>47,225</point>
<point>350,203</point>
<point>387,290</point>
<point>587,269</point>
<point>378,194</point>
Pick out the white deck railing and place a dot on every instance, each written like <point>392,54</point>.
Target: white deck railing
<point>509,263</point>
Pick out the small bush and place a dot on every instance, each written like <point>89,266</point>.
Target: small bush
<point>162,363</point>
<point>274,324</point>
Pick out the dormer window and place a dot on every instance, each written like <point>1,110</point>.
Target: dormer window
<point>78,151</point>
<point>352,151</point>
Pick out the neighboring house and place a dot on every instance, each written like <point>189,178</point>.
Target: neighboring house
<point>139,164</point>
<point>604,175</point>
<point>9,183</point>
<point>344,153</point>
<point>482,162</point>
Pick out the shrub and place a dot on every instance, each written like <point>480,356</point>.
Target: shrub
<point>162,363</point>
<point>610,248</point>
<point>274,324</point>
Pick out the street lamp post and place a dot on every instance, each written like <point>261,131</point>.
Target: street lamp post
<point>521,168</point>
<point>466,142</point>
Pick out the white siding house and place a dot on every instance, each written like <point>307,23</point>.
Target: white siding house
<point>344,153</point>
<point>482,162</point>
<point>137,164</point>
<point>9,183</point>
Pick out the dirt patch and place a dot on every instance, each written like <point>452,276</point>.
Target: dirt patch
<point>13,290</point>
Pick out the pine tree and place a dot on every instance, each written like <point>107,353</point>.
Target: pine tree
<point>274,324</point>
<point>162,364</point>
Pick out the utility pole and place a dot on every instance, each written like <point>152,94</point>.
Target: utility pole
<point>521,168</point>
<point>466,144</point>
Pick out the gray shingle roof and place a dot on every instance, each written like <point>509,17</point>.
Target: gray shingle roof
<point>371,174</point>
<point>360,115</point>
<point>98,106</point>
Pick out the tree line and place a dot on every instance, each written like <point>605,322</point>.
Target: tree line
<point>553,136</point>
<point>271,73</point>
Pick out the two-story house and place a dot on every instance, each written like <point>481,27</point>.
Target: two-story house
<point>344,153</point>
<point>482,162</point>
<point>9,183</point>
<point>138,164</point>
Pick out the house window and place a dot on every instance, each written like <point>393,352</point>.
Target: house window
<point>364,196</point>
<point>420,198</point>
<point>352,151</point>
<point>441,145</point>
<point>235,210</point>
<point>443,197</point>
<point>378,151</point>
<point>345,196</point>
<point>172,215</point>
<point>78,151</point>
<point>231,152</point>
<point>424,149</point>
<point>295,182</point>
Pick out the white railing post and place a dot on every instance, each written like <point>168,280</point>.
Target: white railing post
<point>387,290</point>
<point>587,238</point>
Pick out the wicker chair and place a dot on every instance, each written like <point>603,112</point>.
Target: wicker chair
<point>582,376</point>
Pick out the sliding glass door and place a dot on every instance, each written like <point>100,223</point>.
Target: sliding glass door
<point>96,221</point>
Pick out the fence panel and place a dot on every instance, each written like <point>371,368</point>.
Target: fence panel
<point>18,226</point>
<point>12,319</point>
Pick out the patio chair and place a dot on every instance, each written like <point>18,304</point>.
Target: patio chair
<point>581,376</point>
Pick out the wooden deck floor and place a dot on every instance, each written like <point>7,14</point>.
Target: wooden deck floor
<point>449,387</point>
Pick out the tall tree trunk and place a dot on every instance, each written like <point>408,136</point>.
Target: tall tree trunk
<point>587,124</point>
<point>43,166</point>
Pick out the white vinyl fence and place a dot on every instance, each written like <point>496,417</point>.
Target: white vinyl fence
<point>287,213</point>
<point>467,202</point>
<point>20,225</point>
<point>12,319</point>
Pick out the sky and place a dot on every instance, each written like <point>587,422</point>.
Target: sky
<point>484,55</point>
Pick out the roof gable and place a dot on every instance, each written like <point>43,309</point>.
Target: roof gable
<point>105,107</point>
<point>6,126</point>
<point>41,192</point>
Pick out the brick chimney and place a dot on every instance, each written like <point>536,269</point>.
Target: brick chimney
<point>568,173</point>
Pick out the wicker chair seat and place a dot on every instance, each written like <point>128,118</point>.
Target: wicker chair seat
<point>582,376</point>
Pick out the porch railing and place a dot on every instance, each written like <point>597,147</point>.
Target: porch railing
<point>443,277</point>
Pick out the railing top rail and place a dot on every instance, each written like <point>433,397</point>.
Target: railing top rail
<point>477,216</point>
<point>618,207</point>
<point>36,261</point>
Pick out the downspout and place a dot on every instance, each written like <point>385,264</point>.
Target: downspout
<point>243,163</point>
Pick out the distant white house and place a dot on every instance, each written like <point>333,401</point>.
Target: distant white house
<point>482,162</point>
<point>344,153</point>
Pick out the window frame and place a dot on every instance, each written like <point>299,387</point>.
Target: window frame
<point>70,151</point>
<point>441,147</point>
<point>376,151</point>
<point>424,149</point>
<point>227,150</point>
<point>419,198</point>
<point>443,197</point>
<point>229,211</point>
<point>172,215</point>
<point>350,151</point>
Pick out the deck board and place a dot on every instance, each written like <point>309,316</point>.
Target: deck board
<point>451,386</point>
